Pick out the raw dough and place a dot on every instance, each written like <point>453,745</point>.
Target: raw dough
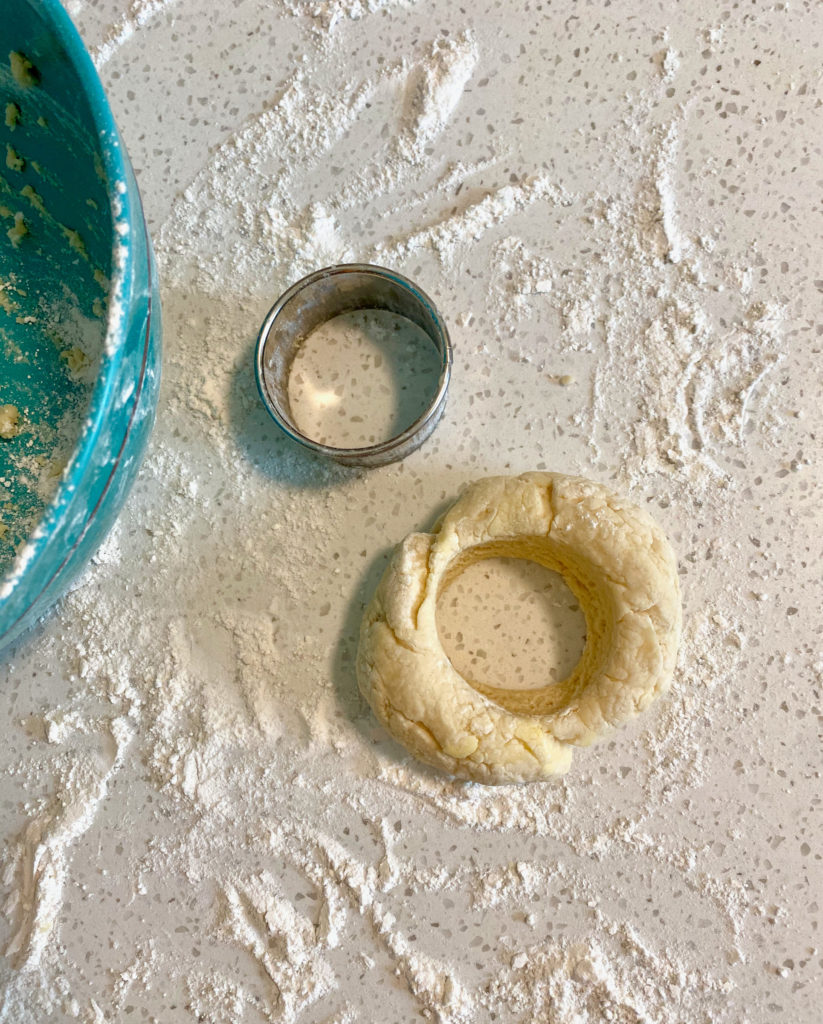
<point>618,564</point>
<point>23,71</point>
<point>9,421</point>
<point>19,231</point>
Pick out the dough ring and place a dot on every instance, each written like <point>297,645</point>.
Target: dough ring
<point>621,569</point>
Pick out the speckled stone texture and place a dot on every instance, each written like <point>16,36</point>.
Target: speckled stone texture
<point>617,210</point>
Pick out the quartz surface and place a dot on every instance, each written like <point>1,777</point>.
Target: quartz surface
<point>616,208</point>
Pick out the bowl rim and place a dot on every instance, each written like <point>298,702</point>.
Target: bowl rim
<point>121,291</point>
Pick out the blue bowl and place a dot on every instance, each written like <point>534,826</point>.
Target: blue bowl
<point>79,313</point>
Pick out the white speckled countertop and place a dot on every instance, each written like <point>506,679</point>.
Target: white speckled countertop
<point>617,209</point>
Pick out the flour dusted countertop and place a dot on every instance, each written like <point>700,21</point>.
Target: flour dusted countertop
<point>617,210</point>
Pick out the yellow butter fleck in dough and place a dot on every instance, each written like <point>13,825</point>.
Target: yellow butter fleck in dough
<point>461,746</point>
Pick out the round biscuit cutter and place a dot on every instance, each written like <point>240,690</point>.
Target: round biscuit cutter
<point>315,300</point>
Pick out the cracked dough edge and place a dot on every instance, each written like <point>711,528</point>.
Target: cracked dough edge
<point>618,563</point>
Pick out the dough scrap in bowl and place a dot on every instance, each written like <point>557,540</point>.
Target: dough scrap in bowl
<point>619,565</point>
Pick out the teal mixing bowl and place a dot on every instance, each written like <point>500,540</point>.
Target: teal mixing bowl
<point>79,313</point>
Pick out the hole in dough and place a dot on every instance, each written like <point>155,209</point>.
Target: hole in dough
<point>510,623</point>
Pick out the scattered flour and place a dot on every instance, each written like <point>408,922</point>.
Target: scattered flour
<point>614,977</point>
<point>684,357</point>
<point>458,231</point>
<point>138,14</point>
<point>330,13</point>
<point>38,865</point>
<point>224,230</point>
<point>277,802</point>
